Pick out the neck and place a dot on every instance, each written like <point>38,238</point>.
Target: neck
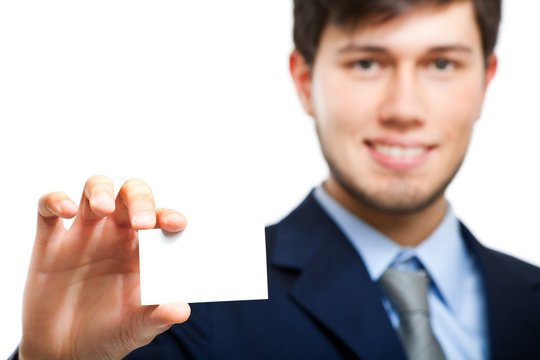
<point>409,229</point>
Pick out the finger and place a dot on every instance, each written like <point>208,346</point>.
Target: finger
<point>56,204</point>
<point>52,208</point>
<point>170,220</point>
<point>97,199</point>
<point>135,205</point>
<point>158,318</point>
<point>167,314</point>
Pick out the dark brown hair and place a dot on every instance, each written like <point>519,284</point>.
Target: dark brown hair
<point>312,16</point>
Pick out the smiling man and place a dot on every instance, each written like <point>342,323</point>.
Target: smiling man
<point>394,105</point>
<point>372,265</point>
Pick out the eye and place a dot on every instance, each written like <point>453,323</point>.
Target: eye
<point>365,64</point>
<point>443,64</point>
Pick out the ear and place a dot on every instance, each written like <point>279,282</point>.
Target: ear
<point>491,69</point>
<point>301,75</point>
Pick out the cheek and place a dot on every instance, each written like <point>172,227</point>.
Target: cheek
<point>458,112</point>
<point>341,105</point>
<point>462,100</point>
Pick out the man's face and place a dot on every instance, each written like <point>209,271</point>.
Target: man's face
<point>395,103</point>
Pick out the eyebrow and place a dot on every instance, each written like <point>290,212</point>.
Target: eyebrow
<point>364,48</point>
<point>383,50</point>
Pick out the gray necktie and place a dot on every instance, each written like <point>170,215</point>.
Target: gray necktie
<point>407,290</point>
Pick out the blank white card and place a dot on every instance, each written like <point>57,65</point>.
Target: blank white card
<point>210,260</point>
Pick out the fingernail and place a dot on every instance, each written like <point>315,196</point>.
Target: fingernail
<point>144,219</point>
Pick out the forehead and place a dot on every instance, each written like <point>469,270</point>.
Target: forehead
<point>420,28</point>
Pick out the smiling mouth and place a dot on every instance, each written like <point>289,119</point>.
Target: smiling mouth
<point>400,152</point>
<point>399,156</point>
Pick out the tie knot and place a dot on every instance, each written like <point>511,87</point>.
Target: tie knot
<point>407,290</point>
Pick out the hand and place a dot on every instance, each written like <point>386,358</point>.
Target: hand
<point>82,297</point>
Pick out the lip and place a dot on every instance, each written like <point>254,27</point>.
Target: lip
<point>398,163</point>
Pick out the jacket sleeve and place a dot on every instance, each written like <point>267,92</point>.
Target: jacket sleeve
<point>15,355</point>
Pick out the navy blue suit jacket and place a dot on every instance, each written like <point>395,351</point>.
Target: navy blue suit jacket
<point>323,305</point>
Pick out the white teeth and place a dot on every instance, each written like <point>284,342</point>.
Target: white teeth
<point>399,152</point>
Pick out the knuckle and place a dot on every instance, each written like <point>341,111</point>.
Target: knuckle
<point>136,189</point>
<point>136,183</point>
<point>98,183</point>
<point>48,202</point>
<point>42,202</point>
<point>99,179</point>
<point>53,198</point>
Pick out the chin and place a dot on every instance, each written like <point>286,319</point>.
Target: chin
<point>392,196</point>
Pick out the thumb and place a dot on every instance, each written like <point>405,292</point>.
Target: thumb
<point>154,319</point>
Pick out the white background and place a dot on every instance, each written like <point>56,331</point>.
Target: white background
<point>196,95</point>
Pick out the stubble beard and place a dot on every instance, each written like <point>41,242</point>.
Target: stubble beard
<point>398,196</point>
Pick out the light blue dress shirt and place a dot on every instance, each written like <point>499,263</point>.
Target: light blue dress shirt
<point>456,297</point>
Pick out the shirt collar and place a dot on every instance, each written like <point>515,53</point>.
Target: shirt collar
<point>443,253</point>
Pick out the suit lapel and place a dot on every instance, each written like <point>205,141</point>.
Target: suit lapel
<point>334,286</point>
<point>512,292</point>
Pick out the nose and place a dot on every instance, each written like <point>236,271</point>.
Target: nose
<point>402,106</point>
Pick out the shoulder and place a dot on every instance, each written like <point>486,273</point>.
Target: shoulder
<point>514,265</point>
<point>504,265</point>
<point>512,294</point>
